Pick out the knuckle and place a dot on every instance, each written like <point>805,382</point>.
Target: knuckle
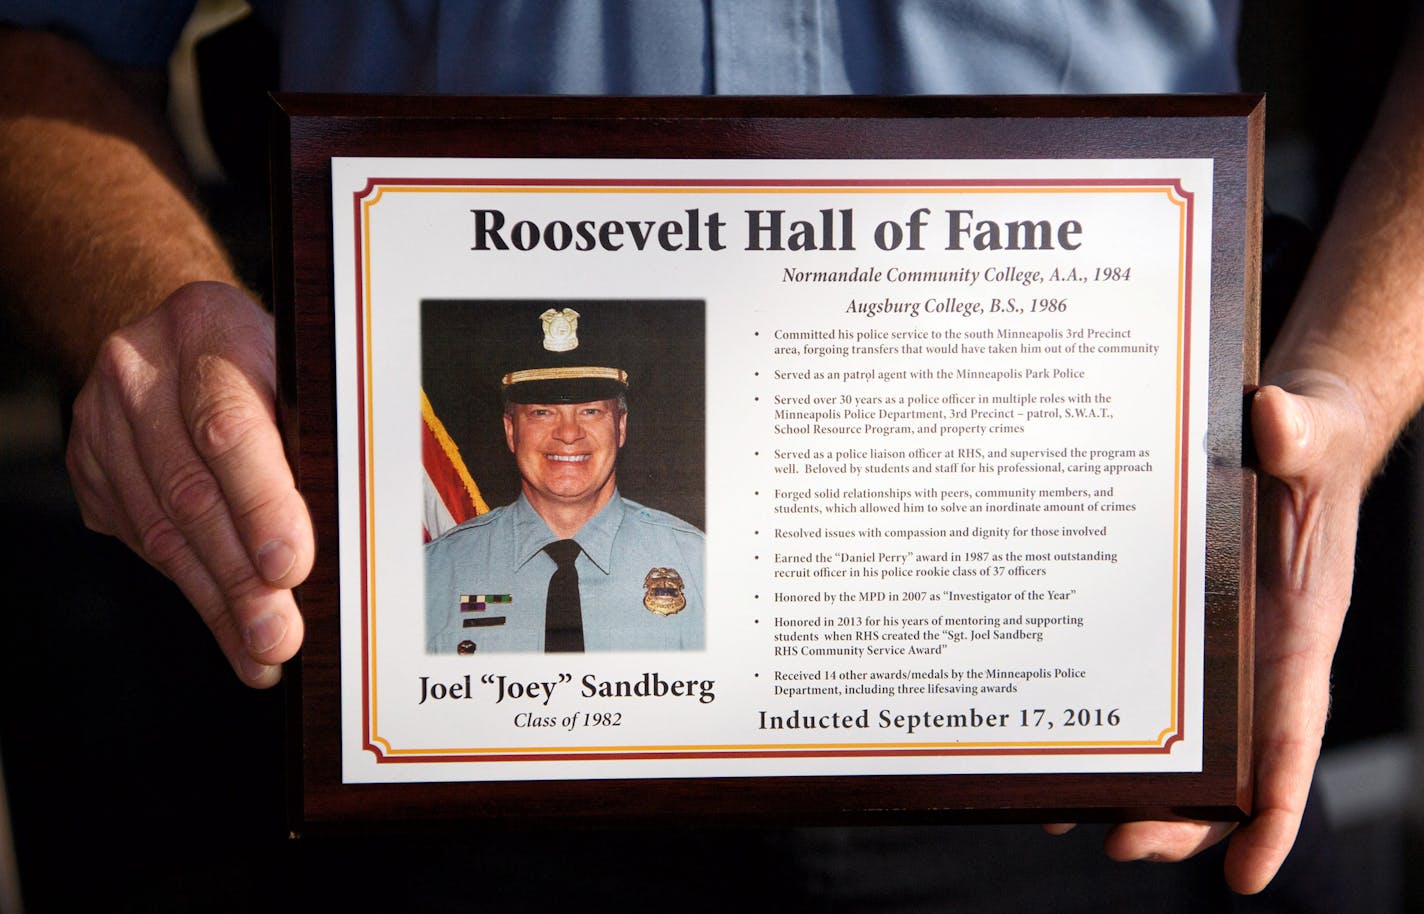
<point>121,385</point>
<point>111,361</point>
<point>84,408</point>
<point>89,486</point>
<point>161,544</point>
<point>241,588</point>
<point>119,364</point>
<point>93,520</point>
<point>223,423</point>
<point>191,496</point>
<point>79,461</point>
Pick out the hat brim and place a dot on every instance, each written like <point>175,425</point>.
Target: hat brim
<point>565,390</point>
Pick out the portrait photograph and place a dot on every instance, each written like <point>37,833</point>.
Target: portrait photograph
<point>564,462</point>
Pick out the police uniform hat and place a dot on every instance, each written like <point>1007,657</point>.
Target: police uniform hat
<point>559,356</point>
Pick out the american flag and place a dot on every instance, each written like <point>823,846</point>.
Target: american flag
<point>451,496</point>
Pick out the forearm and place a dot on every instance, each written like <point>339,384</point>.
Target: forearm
<point>1360,313</point>
<point>100,229</point>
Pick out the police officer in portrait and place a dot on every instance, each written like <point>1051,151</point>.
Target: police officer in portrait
<point>571,565</point>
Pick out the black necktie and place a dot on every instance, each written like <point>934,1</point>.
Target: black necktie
<point>563,614</point>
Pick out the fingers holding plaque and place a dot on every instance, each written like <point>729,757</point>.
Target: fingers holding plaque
<point>869,465</point>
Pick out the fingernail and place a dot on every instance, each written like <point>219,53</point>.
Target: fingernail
<point>265,633</point>
<point>275,559</point>
<point>255,673</point>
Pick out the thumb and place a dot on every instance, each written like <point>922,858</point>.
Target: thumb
<point>1287,437</point>
<point>1297,433</point>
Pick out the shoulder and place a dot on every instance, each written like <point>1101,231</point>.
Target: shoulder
<point>659,521</point>
<point>471,530</point>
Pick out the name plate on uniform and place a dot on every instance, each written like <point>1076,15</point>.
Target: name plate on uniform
<point>781,460</point>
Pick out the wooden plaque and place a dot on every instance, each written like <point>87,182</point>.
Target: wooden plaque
<point>954,387</point>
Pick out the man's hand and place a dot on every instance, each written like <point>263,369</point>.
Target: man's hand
<point>1310,433</point>
<point>175,451</point>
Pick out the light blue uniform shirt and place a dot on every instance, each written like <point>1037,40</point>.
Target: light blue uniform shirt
<point>729,47</point>
<point>499,556</point>
<point>692,47</point>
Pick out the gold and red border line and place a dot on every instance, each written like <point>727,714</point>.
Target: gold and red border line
<point>364,199</point>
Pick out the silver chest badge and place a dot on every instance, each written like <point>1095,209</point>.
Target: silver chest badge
<point>560,329</point>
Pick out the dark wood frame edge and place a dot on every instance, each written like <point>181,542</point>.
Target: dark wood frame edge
<point>318,803</point>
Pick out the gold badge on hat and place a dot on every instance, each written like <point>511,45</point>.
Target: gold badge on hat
<point>663,591</point>
<point>560,329</point>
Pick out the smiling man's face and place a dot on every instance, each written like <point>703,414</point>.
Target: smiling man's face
<point>566,452</point>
